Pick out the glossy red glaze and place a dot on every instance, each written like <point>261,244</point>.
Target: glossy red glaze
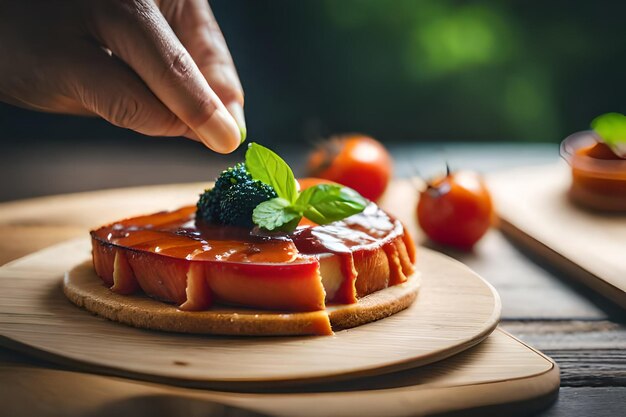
<point>174,258</point>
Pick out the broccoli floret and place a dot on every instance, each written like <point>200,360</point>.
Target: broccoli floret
<point>238,202</point>
<point>232,176</point>
<point>208,207</point>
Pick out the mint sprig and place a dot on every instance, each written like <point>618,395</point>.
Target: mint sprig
<point>264,165</point>
<point>322,203</point>
<point>326,203</point>
<point>611,127</point>
<point>276,214</point>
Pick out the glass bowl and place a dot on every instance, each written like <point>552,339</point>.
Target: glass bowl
<point>599,184</point>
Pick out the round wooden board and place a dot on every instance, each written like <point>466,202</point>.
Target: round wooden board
<point>83,287</point>
<point>455,309</point>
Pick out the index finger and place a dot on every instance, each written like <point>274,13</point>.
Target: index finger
<point>196,27</point>
<point>138,34</point>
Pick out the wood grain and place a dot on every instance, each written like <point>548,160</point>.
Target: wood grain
<point>36,223</point>
<point>498,371</point>
<point>536,212</point>
<point>455,310</point>
<point>570,335</point>
<point>596,402</point>
<point>589,353</point>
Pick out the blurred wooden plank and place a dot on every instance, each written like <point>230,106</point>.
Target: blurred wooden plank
<point>20,240</point>
<point>33,224</point>
<point>589,247</point>
<point>83,166</point>
<point>69,168</point>
<point>591,368</point>
<point>589,353</point>
<point>572,335</point>
<point>528,290</point>
<point>584,402</point>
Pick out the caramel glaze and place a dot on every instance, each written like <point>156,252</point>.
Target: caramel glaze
<point>170,245</point>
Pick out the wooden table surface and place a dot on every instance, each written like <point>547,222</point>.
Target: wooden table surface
<point>584,333</point>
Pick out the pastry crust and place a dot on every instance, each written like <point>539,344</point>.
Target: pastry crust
<point>83,288</point>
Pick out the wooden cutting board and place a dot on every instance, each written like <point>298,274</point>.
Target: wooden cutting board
<point>500,376</point>
<point>535,212</point>
<point>455,309</point>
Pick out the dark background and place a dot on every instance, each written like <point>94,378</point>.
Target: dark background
<point>403,71</point>
<point>408,70</point>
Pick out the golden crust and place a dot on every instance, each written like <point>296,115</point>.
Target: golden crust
<point>83,288</point>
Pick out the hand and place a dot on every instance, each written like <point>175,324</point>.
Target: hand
<point>159,67</point>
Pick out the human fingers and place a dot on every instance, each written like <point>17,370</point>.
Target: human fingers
<point>196,27</point>
<point>138,34</point>
<point>105,86</point>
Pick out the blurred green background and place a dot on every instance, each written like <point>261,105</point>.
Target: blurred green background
<point>406,70</point>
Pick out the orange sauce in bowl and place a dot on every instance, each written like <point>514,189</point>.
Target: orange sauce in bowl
<point>598,174</point>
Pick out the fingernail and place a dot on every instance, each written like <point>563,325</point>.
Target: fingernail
<point>220,132</point>
<point>236,110</point>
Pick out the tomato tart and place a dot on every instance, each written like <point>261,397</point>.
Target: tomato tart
<point>195,273</point>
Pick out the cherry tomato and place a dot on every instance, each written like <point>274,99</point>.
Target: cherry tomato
<point>356,161</point>
<point>455,210</point>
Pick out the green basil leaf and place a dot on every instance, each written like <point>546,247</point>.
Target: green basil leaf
<point>276,214</point>
<point>611,127</point>
<point>265,166</point>
<point>326,203</point>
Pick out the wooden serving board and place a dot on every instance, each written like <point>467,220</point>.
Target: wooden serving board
<point>455,309</point>
<point>500,376</point>
<point>535,212</point>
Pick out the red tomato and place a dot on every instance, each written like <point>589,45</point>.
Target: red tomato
<point>356,161</point>
<point>456,210</point>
